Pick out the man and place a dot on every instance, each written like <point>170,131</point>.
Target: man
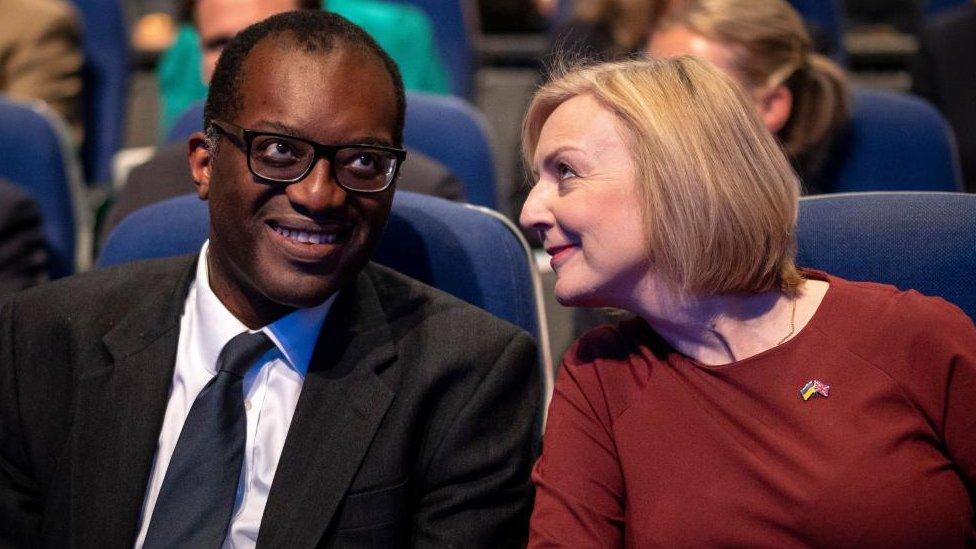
<point>40,56</point>
<point>408,422</point>
<point>165,175</point>
<point>23,259</point>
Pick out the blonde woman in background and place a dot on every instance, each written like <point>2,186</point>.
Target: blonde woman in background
<point>801,96</point>
<point>750,403</point>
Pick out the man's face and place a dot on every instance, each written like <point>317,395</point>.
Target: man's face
<point>218,21</point>
<point>262,266</point>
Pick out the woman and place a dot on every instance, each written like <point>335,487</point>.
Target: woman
<point>802,96</point>
<point>750,403</point>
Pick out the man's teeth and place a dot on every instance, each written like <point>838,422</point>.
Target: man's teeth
<point>308,237</point>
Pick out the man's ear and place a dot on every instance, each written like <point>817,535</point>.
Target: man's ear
<point>201,163</point>
<point>775,107</point>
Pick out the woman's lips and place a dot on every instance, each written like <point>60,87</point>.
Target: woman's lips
<point>559,254</point>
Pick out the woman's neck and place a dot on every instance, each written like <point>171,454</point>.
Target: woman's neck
<point>717,330</point>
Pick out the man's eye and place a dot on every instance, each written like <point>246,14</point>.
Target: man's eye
<point>277,151</point>
<point>366,164</point>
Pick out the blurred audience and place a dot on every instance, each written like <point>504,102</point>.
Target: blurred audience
<point>607,29</point>
<point>802,96</point>
<point>944,72</point>
<point>23,259</point>
<point>404,31</point>
<point>167,173</point>
<point>40,56</point>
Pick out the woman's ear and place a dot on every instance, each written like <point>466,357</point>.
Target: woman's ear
<point>775,107</point>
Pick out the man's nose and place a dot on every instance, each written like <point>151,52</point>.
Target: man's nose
<point>318,192</point>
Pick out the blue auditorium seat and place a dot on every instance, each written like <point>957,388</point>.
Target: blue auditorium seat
<point>447,129</point>
<point>936,6</point>
<point>106,84</point>
<point>454,132</point>
<point>913,240</point>
<point>894,142</point>
<point>824,17</point>
<point>36,155</point>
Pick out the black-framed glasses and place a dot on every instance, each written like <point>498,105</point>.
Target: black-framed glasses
<point>287,159</point>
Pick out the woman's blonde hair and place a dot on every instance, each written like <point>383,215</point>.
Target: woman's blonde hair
<point>771,47</point>
<point>718,197</point>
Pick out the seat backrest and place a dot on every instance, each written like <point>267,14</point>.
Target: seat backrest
<point>448,129</point>
<point>189,121</point>
<point>914,240</point>
<point>456,28</point>
<point>106,81</point>
<point>35,154</point>
<point>455,133</point>
<point>935,6</point>
<point>468,251</point>
<point>894,142</point>
<point>825,17</point>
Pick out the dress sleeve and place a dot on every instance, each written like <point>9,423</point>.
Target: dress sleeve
<point>579,485</point>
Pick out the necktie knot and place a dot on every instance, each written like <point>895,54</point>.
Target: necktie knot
<point>241,351</point>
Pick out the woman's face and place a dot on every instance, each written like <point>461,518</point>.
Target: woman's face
<point>677,41</point>
<point>774,105</point>
<point>585,206</point>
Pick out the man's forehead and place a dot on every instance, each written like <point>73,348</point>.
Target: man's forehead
<point>342,91</point>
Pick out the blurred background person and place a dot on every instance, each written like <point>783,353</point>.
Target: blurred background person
<point>40,57</point>
<point>23,259</point>
<point>944,72</point>
<point>604,29</point>
<point>802,96</point>
<point>402,30</point>
<point>750,403</point>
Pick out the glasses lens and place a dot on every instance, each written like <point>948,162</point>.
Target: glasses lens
<point>365,169</point>
<point>280,158</point>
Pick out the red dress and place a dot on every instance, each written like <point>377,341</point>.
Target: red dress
<point>646,447</point>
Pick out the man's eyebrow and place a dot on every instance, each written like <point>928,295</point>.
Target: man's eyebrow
<point>278,127</point>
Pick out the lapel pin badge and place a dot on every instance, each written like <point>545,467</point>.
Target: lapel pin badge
<point>815,387</point>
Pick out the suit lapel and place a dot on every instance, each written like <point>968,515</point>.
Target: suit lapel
<point>119,413</point>
<point>341,406</point>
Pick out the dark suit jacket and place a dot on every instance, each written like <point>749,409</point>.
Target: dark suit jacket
<point>167,174</point>
<point>944,72</point>
<point>414,426</point>
<point>23,259</point>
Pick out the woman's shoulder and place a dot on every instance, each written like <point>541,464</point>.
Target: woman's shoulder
<point>887,306</point>
<point>903,332</point>
<point>610,363</point>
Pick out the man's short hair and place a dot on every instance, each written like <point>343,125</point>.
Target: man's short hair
<point>314,32</point>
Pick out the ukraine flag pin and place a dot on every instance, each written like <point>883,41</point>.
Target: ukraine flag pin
<point>815,387</point>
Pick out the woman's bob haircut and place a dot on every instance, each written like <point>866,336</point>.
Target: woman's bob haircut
<point>718,196</point>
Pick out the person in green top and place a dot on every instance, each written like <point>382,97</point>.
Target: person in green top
<point>403,31</point>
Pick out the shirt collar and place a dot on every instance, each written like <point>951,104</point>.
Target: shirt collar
<point>294,334</point>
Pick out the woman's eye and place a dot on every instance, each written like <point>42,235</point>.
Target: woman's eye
<point>564,171</point>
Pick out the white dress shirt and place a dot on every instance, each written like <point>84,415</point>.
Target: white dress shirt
<point>271,390</point>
